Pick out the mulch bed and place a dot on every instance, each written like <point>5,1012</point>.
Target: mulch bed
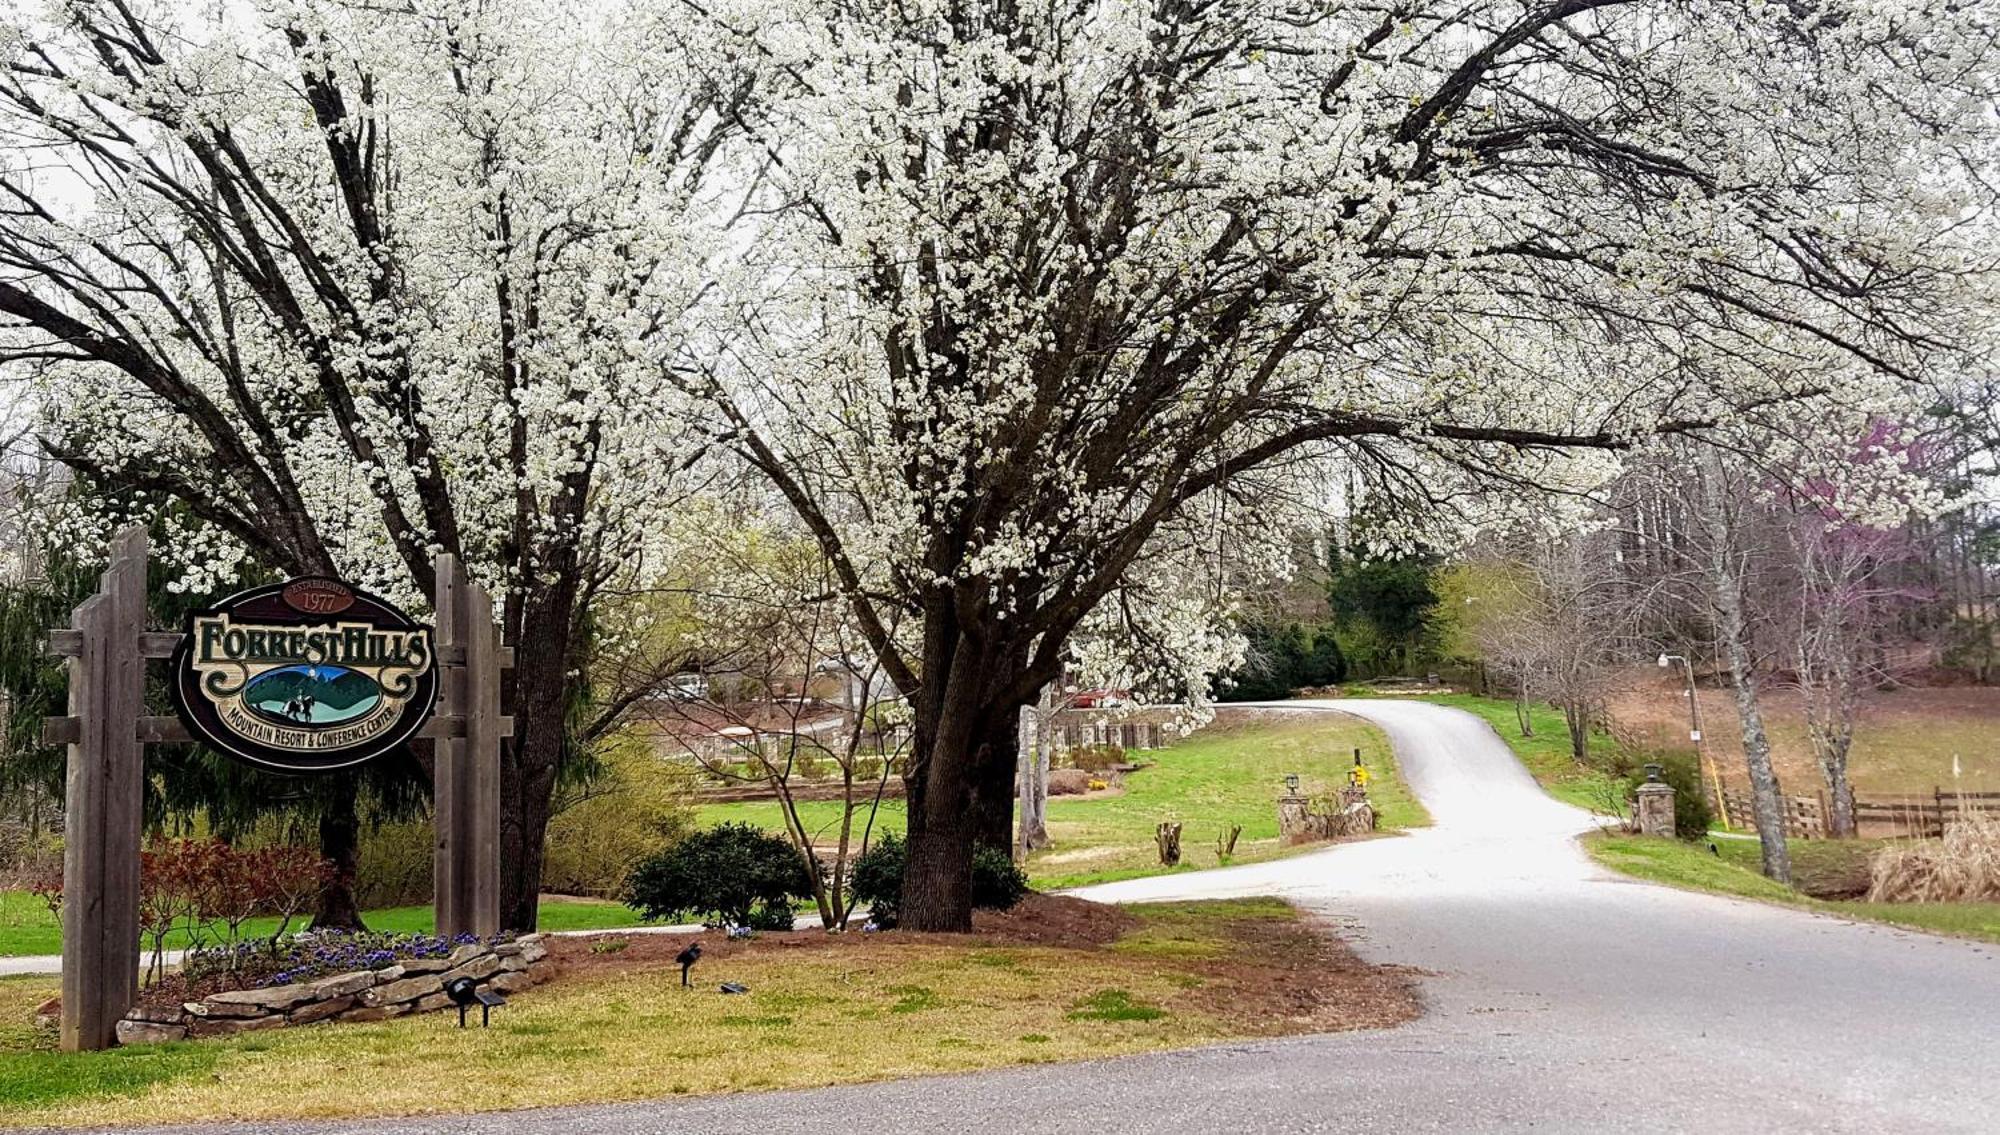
<point>1293,977</point>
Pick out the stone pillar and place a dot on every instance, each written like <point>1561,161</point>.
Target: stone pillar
<point>1656,808</point>
<point>1294,820</point>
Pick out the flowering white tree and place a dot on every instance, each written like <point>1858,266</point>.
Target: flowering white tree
<point>359,283</point>
<point>1029,281</point>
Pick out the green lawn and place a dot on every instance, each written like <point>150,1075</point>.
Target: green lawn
<point>26,927</point>
<point>821,1010</point>
<point>1694,867</point>
<point>1228,773</point>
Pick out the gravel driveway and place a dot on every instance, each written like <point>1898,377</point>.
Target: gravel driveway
<point>1560,998</point>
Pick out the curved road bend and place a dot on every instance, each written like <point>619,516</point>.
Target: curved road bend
<point>1560,998</point>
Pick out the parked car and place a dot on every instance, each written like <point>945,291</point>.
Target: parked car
<point>1100,699</point>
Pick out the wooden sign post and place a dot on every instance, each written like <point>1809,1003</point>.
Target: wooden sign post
<point>465,791</point>
<point>107,683</point>
<point>107,728</point>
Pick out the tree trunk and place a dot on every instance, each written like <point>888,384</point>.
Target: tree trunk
<point>993,783</point>
<point>1033,834</point>
<point>1840,824</point>
<point>960,785</point>
<point>529,765</point>
<point>937,875</point>
<point>1521,713</point>
<point>1577,717</point>
<point>1767,803</point>
<point>340,843</point>
<point>1732,629</point>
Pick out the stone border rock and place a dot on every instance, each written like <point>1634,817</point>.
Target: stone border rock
<point>1298,823</point>
<point>411,986</point>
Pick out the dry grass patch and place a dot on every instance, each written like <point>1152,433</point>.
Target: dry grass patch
<point>1963,866</point>
<point>1057,980</point>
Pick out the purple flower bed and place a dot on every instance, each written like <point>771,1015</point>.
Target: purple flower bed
<point>315,954</point>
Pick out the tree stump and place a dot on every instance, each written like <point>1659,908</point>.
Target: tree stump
<point>1169,839</point>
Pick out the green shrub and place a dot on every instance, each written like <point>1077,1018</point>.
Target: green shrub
<point>395,863</point>
<point>998,883</point>
<point>1284,657</point>
<point>877,880</point>
<point>722,873</point>
<point>770,917</point>
<point>1096,758</point>
<point>1681,772</point>
<point>632,804</point>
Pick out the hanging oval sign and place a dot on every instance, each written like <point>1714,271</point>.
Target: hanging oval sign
<point>309,675</point>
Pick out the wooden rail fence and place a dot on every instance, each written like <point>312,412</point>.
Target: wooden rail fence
<point>1888,815</point>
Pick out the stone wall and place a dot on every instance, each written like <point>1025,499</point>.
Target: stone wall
<point>1299,823</point>
<point>410,986</point>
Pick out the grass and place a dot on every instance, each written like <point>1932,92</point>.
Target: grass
<point>1228,773</point>
<point>819,1012</point>
<point>822,817</point>
<point>1114,1005</point>
<point>27,928</point>
<point>1692,866</point>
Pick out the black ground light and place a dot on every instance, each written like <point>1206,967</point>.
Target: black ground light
<point>463,994</point>
<point>687,958</point>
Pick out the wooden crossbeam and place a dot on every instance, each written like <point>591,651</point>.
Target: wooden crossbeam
<point>66,642</point>
<point>156,729</point>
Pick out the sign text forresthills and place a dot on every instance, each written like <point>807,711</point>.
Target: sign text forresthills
<point>305,676</point>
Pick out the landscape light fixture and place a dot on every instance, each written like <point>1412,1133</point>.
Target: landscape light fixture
<point>464,993</point>
<point>687,958</point>
<point>1292,783</point>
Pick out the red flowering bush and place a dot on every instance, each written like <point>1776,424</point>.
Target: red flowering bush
<point>45,882</point>
<point>208,890</point>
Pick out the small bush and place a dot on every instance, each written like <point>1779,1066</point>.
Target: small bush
<point>877,879</point>
<point>396,863</point>
<point>1682,772</point>
<point>722,873</point>
<point>769,916</point>
<point>635,804</point>
<point>1964,866</point>
<point>998,883</point>
<point>1096,758</point>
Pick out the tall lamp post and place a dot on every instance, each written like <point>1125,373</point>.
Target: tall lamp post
<point>1694,732</point>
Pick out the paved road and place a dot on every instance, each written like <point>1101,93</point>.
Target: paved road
<point>1562,999</point>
